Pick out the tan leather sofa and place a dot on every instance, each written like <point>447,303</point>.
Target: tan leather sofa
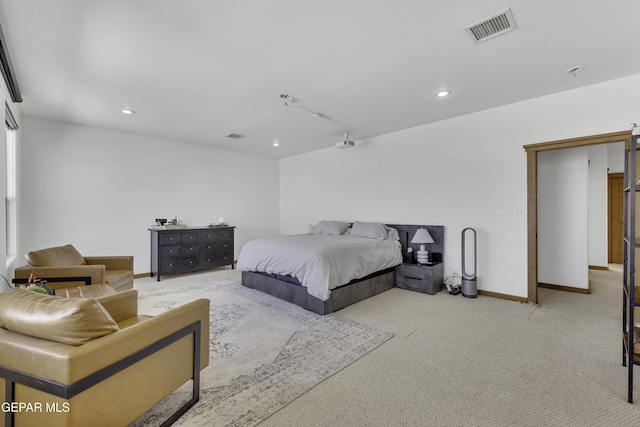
<point>74,360</point>
<point>65,261</point>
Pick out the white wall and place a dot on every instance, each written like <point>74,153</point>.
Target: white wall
<point>615,157</point>
<point>563,239</point>
<point>557,224</point>
<point>100,190</point>
<point>457,173</point>
<point>597,206</point>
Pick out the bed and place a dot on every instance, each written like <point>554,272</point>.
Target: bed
<point>334,266</point>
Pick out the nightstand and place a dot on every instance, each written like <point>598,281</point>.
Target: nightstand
<point>421,278</point>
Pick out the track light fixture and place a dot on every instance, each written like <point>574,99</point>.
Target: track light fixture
<point>291,101</point>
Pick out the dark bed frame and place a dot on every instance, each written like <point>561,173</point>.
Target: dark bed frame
<point>354,291</point>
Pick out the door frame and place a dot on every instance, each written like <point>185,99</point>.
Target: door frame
<point>532,151</point>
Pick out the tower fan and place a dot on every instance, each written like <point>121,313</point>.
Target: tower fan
<point>469,281</point>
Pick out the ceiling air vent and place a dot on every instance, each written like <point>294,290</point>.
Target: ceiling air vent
<point>500,23</point>
<point>236,136</point>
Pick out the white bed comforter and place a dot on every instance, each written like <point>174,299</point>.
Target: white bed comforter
<point>320,262</point>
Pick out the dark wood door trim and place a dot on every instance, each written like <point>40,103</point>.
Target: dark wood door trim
<point>612,216</point>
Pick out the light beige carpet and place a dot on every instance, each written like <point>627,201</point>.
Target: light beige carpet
<point>481,362</point>
<point>478,362</point>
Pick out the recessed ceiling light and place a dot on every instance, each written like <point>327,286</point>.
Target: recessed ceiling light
<point>128,111</point>
<point>276,144</point>
<point>444,92</point>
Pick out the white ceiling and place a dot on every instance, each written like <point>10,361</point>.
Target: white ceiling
<point>197,70</point>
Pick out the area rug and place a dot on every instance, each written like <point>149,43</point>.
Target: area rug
<point>264,352</point>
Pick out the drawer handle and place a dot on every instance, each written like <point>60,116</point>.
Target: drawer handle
<point>190,237</point>
<point>170,251</point>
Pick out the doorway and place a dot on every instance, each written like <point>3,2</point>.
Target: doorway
<point>532,195</point>
<point>615,218</point>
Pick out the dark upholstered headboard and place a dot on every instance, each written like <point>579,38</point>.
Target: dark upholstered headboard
<point>436,249</point>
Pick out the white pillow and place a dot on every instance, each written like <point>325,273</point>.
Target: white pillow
<point>335,228</point>
<point>370,230</point>
<point>392,233</point>
<point>374,230</point>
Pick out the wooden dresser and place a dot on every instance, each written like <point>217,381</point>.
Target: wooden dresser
<point>181,250</point>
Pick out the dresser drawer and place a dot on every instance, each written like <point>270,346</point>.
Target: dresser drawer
<point>174,265</point>
<point>192,250</point>
<point>216,246</point>
<point>169,238</point>
<point>216,235</point>
<point>215,258</point>
<point>190,237</point>
<point>169,251</point>
<point>414,271</point>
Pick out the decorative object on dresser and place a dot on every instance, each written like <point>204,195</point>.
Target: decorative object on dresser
<point>190,249</point>
<point>421,237</point>
<point>164,224</point>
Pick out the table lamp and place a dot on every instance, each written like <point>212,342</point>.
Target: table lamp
<point>421,237</point>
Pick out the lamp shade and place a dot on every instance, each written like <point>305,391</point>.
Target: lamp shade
<point>422,236</point>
